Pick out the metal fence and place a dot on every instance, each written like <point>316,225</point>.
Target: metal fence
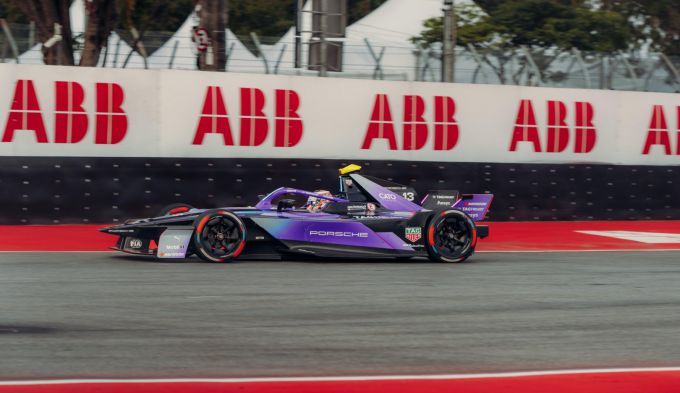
<point>377,58</point>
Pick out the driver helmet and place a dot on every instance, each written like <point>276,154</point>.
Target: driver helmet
<point>315,204</point>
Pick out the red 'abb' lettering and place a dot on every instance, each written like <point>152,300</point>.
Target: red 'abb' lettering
<point>111,121</point>
<point>70,118</point>
<point>254,126</point>
<point>415,128</point>
<point>526,127</point>
<point>214,118</point>
<point>380,126</point>
<point>288,122</point>
<point>585,129</point>
<point>25,113</point>
<point>658,132</point>
<point>445,126</point>
<point>558,132</point>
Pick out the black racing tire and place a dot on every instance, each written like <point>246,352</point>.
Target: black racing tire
<point>451,236</point>
<point>220,236</point>
<point>174,208</point>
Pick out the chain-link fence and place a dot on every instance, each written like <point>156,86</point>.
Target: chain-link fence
<point>377,58</point>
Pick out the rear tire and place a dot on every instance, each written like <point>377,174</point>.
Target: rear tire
<point>174,208</point>
<point>220,236</point>
<point>451,236</point>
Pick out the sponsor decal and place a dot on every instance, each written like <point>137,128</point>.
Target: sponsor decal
<point>370,207</point>
<point>174,246</point>
<point>121,230</point>
<point>351,208</point>
<point>171,255</point>
<point>413,234</point>
<point>174,243</point>
<point>389,196</point>
<point>338,234</point>
<point>135,243</point>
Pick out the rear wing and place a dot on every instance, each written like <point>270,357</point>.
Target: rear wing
<point>475,205</point>
<point>440,199</point>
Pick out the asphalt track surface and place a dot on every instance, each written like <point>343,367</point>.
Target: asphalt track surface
<point>84,315</point>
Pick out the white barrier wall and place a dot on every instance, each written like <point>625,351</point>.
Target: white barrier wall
<point>71,111</point>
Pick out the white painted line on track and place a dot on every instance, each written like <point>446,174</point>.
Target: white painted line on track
<point>641,237</point>
<point>516,374</point>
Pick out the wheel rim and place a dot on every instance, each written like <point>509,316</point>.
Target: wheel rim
<point>452,237</point>
<point>220,237</point>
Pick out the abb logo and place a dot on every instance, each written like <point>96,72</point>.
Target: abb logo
<point>658,133</point>
<point>526,128</point>
<point>214,118</point>
<point>70,119</point>
<point>415,127</point>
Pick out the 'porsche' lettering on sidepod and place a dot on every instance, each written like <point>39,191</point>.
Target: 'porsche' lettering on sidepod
<point>338,234</point>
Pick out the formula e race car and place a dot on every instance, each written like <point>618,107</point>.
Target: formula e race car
<point>369,217</point>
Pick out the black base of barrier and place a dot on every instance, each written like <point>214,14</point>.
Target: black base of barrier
<point>49,190</point>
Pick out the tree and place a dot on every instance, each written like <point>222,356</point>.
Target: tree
<point>213,15</point>
<point>272,18</point>
<point>545,26</point>
<point>52,17</point>
<point>47,14</point>
<point>154,15</point>
<point>10,11</point>
<point>102,17</point>
<point>657,21</point>
<point>536,23</point>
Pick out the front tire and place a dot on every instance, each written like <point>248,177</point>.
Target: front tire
<point>220,236</point>
<point>451,237</point>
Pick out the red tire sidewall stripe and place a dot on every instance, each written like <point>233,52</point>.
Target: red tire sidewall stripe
<point>178,210</point>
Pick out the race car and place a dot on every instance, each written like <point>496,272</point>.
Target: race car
<point>367,218</point>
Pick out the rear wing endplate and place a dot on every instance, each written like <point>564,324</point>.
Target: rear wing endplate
<point>474,205</point>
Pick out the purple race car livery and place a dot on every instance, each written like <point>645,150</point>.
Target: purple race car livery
<point>369,217</point>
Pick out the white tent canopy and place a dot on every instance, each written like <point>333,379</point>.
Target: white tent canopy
<point>389,28</point>
<point>180,50</point>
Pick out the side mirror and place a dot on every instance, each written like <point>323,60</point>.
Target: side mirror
<point>285,204</point>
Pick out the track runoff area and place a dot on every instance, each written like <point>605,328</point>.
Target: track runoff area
<point>632,259</point>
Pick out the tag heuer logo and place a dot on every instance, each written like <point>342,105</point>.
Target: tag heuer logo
<point>413,234</point>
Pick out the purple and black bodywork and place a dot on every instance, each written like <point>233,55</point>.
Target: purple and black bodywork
<point>369,217</point>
